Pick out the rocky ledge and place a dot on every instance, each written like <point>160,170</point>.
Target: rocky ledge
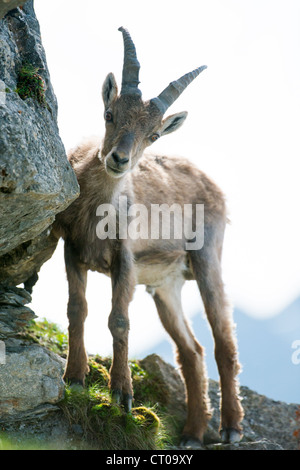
<point>31,387</point>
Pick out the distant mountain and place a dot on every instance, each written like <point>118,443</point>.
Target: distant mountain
<point>265,352</point>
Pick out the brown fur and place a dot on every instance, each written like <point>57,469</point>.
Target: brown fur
<point>163,265</point>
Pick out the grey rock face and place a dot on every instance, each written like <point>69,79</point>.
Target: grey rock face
<point>7,5</point>
<point>30,375</point>
<point>14,315</point>
<point>20,264</point>
<point>267,425</point>
<point>36,179</point>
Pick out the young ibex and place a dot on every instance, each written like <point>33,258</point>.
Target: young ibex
<point>119,168</point>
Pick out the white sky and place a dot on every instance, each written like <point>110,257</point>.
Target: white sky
<point>242,130</point>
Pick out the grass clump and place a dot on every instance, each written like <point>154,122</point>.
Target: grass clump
<point>31,84</point>
<point>98,374</point>
<point>48,334</point>
<point>147,386</point>
<point>90,411</point>
<point>106,425</point>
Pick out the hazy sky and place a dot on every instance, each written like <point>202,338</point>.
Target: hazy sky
<point>242,130</point>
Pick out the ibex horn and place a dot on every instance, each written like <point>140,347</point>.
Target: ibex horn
<point>131,66</point>
<point>174,89</point>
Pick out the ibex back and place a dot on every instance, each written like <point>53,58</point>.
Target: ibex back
<point>119,168</point>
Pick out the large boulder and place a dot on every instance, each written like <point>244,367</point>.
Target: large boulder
<point>30,375</point>
<point>36,182</point>
<point>36,179</point>
<point>31,379</point>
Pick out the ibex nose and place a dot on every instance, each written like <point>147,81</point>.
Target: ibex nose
<point>120,157</point>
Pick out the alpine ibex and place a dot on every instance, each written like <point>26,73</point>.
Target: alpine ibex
<point>117,168</point>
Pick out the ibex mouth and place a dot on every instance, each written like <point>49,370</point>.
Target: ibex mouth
<point>114,172</point>
<point>117,162</point>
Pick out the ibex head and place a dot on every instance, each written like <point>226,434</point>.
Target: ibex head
<point>132,124</point>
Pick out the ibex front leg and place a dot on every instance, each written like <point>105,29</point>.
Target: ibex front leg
<point>77,367</point>
<point>122,291</point>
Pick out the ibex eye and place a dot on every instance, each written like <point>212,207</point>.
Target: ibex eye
<point>108,116</point>
<point>154,137</point>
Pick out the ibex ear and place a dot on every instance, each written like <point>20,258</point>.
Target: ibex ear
<point>173,122</point>
<point>109,90</point>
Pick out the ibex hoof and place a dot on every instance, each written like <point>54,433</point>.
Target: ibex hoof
<point>120,399</point>
<point>230,435</point>
<point>127,402</point>
<point>116,396</point>
<point>74,383</point>
<point>190,442</point>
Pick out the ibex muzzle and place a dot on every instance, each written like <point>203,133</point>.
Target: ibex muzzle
<point>132,124</point>
<point>118,160</point>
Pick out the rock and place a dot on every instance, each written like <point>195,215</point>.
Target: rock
<point>171,383</point>
<point>36,182</point>
<point>7,5</point>
<point>268,424</point>
<point>30,375</point>
<point>36,179</point>
<point>269,419</point>
<point>21,264</point>
<point>262,444</point>
<point>14,315</point>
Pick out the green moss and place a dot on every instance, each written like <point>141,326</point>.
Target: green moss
<point>31,84</point>
<point>146,417</point>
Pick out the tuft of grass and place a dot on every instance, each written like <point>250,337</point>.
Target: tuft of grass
<point>31,84</point>
<point>48,334</point>
<point>147,386</point>
<point>98,374</point>
<point>90,411</point>
<point>106,425</point>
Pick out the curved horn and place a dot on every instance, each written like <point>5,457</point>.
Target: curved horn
<point>174,90</point>
<point>131,66</point>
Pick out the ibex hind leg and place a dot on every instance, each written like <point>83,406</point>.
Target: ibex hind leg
<point>207,272</point>
<point>190,357</point>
